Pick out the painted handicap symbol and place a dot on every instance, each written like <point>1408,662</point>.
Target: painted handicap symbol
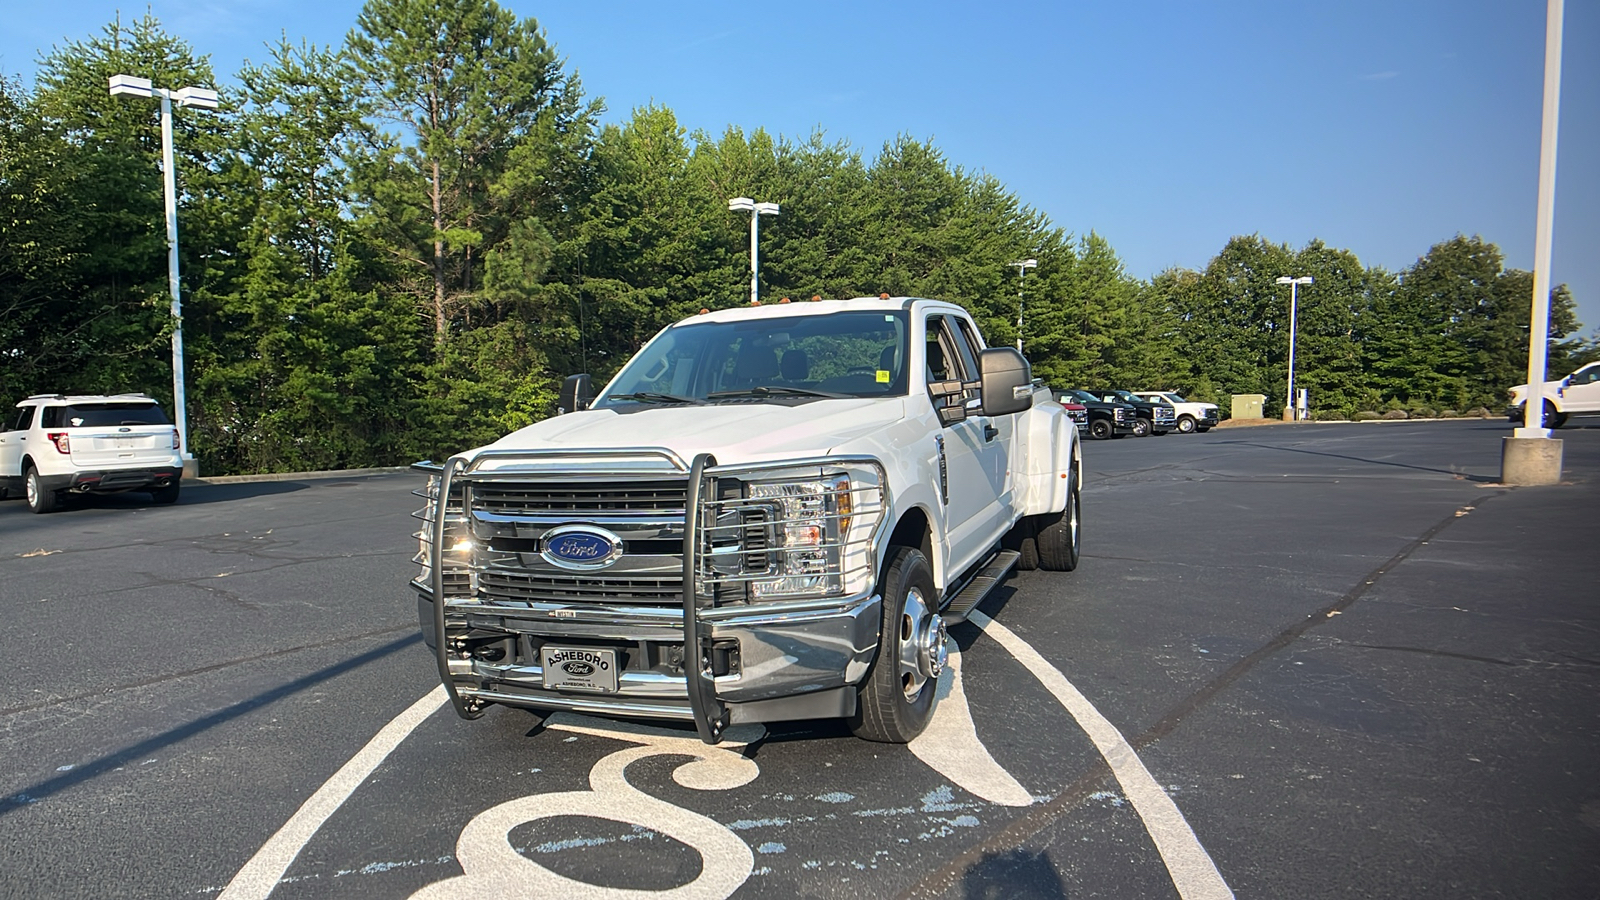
<point>492,867</point>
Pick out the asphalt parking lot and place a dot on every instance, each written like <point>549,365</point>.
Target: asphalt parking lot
<point>1349,663</point>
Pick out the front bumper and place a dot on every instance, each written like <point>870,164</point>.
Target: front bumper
<point>774,662</point>
<point>112,481</point>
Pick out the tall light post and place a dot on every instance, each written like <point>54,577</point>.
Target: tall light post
<point>756,210</point>
<point>194,98</point>
<point>1022,270</point>
<point>1530,456</point>
<point>1289,412</point>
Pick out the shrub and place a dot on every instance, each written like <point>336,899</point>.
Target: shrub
<point>1395,414</point>
<point>1366,415</point>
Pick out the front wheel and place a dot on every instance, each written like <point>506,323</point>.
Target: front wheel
<point>1186,424</point>
<point>1100,429</point>
<point>40,498</point>
<point>896,700</point>
<point>1141,428</point>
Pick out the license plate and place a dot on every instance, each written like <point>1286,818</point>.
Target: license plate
<point>580,668</point>
<point>124,443</point>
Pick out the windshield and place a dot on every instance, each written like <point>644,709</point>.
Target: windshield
<point>792,358</point>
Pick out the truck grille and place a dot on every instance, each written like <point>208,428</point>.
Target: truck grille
<point>544,587</point>
<point>570,497</point>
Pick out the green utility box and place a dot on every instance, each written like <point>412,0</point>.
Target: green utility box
<point>1248,406</point>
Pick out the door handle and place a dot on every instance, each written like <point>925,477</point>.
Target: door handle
<point>990,433</point>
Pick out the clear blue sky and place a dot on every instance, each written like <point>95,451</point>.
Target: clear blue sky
<point>1167,127</point>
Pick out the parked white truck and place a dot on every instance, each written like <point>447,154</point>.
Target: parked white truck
<point>1192,415</point>
<point>770,513</point>
<point>1576,394</point>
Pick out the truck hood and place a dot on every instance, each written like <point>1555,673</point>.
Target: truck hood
<point>733,432</point>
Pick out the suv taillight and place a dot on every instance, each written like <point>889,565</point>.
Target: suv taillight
<point>62,441</point>
<point>175,444</point>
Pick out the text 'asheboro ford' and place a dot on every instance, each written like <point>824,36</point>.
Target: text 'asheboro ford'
<point>771,513</point>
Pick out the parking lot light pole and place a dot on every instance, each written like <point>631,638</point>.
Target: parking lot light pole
<point>756,210</point>
<point>193,98</point>
<point>1530,455</point>
<point>1022,269</point>
<point>1289,412</point>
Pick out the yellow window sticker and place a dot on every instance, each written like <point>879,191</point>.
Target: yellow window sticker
<point>883,376</point>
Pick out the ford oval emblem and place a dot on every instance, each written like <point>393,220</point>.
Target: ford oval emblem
<point>581,669</point>
<point>581,547</point>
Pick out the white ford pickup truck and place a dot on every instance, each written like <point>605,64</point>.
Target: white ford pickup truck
<point>770,513</point>
<point>1578,393</point>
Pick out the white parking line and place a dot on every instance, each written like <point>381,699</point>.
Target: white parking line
<point>1193,873</point>
<point>261,874</point>
<point>951,746</point>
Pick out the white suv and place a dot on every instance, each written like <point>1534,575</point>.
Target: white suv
<point>88,444</point>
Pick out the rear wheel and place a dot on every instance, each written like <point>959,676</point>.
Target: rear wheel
<point>896,700</point>
<point>168,494</point>
<point>1185,424</point>
<point>1058,536</point>
<point>40,498</point>
<point>1021,538</point>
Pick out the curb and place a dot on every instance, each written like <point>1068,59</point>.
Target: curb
<point>295,476</point>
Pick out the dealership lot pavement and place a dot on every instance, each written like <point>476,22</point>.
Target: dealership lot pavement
<point>1349,663</point>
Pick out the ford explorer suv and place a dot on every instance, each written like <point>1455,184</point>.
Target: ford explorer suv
<point>55,444</point>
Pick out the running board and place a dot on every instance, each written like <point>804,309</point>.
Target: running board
<point>972,594</point>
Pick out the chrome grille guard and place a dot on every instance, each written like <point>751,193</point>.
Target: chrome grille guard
<point>703,511</point>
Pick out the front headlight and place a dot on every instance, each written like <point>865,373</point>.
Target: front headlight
<point>817,534</point>
<point>808,520</point>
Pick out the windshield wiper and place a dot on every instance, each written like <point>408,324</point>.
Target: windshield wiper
<point>766,391</point>
<point>655,397</point>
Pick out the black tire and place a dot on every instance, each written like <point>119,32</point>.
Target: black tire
<point>895,701</point>
<point>1100,429</point>
<point>40,500</point>
<point>166,495</point>
<point>1059,536</point>
<point>1202,428</point>
<point>1553,418</point>
<point>1021,539</point>
<point>1186,425</point>
<point>1141,428</point>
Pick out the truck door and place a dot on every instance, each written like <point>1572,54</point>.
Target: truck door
<point>1583,391</point>
<point>971,448</point>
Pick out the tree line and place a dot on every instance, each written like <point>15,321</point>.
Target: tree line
<point>396,248</point>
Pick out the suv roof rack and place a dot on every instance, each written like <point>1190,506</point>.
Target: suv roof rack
<point>123,396</point>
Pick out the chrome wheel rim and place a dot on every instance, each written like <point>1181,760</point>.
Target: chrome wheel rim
<point>33,491</point>
<point>1072,519</point>
<point>920,648</point>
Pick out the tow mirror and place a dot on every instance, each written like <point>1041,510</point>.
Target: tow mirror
<point>1006,381</point>
<point>575,394</point>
